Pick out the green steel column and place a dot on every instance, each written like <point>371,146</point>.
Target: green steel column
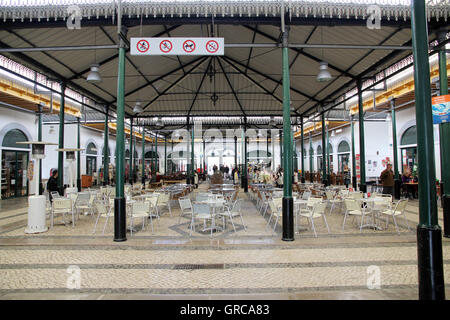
<point>131,171</point>
<point>429,238</point>
<point>120,201</point>
<point>354,180</point>
<point>165,155</point>
<point>192,155</point>
<point>288,201</point>
<point>106,150</point>
<point>188,167</point>
<point>303,150</point>
<point>156,154</point>
<point>324,154</point>
<point>311,164</point>
<point>444,140</point>
<point>362,150</point>
<point>143,157</point>
<point>281,147</point>
<point>267,144</point>
<point>172,165</point>
<point>41,187</point>
<point>78,157</point>
<point>397,181</point>
<point>61,140</point>
<point>294,153</point>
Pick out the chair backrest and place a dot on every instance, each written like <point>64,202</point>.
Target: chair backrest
<point>100,207</point>
<point>319,207</point>
<point>152,200</point>
<point>351,204</point>
<point>62,203</point>
<point>356,195</point>
<point>313,200</point>
<point>199,208</point>
<point>306,194</point>
<point>55,194</point>
<point>274,205</point>
<point>277,194</point>
<point>163,198</point>
<point>344,193</point>
<point>202,196</point>
<point>401,205</point>
<point>329,195</point>
<point>83,198</point>
<point>236,205</point>
<point>141,206</point>
<point>185,204</point>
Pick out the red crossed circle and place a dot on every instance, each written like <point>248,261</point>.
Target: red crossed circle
<point>212,46</point>
<point>165,46</point>
<point>189,46</point>
<point>142,46</point>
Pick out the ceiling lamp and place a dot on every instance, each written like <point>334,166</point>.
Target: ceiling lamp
<point>94,75</point>
<point>137,107</point>
<point>272,121</point>
<point>324,75</point>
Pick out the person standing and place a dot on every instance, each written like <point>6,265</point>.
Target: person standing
<point>346,176</point>
<point>387,179</point>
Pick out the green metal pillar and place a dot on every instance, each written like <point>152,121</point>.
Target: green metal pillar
<point>106,150</point>
<point>188,167</point>
<point>303,150</point>
<point>444,140</point>
<point>267,144</point>
<point>78,157</point>
<point>311,163</point>
<point>288,202</point>
<point>429,238</point>
<point>362,150</point>
<point>120,201</point>
<point>61,140</point>
<point>192,155</point>
<point>172,155</point>
<point>131,171</point>
<point>324,153</point>
<point>354,180</point>
<point>156,154</point>
<point>280,134</point>
<point>328,158</point>
<point>294,153</point>
<point>143,157</point>
<point>397,181</point>
<point>204,162</point>
<point>235,154</point>
<point>165,155</point>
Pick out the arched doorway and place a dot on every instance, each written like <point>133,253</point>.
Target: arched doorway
<point>150,157</point>
<point>408,147</point>
<point>319,158</point>
<point>91,159</point>
<point>343,155</point>
<point>15,158</point>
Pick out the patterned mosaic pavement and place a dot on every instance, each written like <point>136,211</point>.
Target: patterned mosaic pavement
<point>74,263</point>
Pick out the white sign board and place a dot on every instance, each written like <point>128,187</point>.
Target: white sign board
<point>177,46</point>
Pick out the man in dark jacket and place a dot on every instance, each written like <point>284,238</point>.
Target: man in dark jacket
<point>52,184</point>
<point>387,179</point>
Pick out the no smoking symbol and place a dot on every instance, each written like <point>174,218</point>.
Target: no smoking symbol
<point>143,46</point>
<point>212,46</point>
<point>189,46</point>
<point>165,46</point>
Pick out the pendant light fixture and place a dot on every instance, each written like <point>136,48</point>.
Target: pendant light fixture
<point>94,75</point>
<point>324,75</point>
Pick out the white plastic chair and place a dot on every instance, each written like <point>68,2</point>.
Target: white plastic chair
<point>398,210</point>
<point>186,208</point>
<point>62,205</point>
<point>276,208</point>
<point>104,211</point>
<point>202,211</point>
<point>317,211</point>
<point>353,207</point>
<point>233,212</point>
<point>140,209</point>
<point>164,201</point>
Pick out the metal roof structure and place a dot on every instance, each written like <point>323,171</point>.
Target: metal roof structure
<point>245,82</point>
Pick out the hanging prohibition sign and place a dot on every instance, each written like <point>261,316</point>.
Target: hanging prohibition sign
<point>212,46</point>
<point>189,46</point>
<point>165,46</point>
<point>143,46</point>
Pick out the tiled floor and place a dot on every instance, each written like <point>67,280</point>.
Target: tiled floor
<point>168,264</point>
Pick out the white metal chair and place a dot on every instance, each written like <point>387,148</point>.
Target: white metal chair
<point>140,209</point>
<point>84,201</point>
<point>164,201</point>
<point>233,212</point>
<point>276,208</point>
<point>306,194</point>
<point>186,208</point>
<point>63,206</point>
<point>332,200</point>
<point>104,211</point>
<point>398,210</point>
<point>317,211</point>
<point>202,211</point>
<point>353,207</point>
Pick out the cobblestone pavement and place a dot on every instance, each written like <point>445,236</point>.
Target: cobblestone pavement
<point>251,263</point>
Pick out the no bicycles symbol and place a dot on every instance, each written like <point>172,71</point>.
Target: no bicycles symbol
<point>189,46</point>
<point>165,46</point>
<point>212,46</point>
<point>143,46</point>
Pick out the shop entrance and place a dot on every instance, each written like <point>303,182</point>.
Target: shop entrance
<point>14,174</point>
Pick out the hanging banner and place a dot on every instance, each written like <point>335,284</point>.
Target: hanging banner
<point>441,109</point>
<point>177,46</point>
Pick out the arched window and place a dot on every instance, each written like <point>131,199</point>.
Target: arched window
<point>262,154</point>
<point>127,154</point>
<point>151,155</point>
<point>304,153</point>
<point>91,149</point>
<point>343,147</point>
<point>12,137</point>
<point>319,150</point>
<point>409,136</point>
<point>330,148</point>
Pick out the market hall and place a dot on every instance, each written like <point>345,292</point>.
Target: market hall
<point>301,148</point>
